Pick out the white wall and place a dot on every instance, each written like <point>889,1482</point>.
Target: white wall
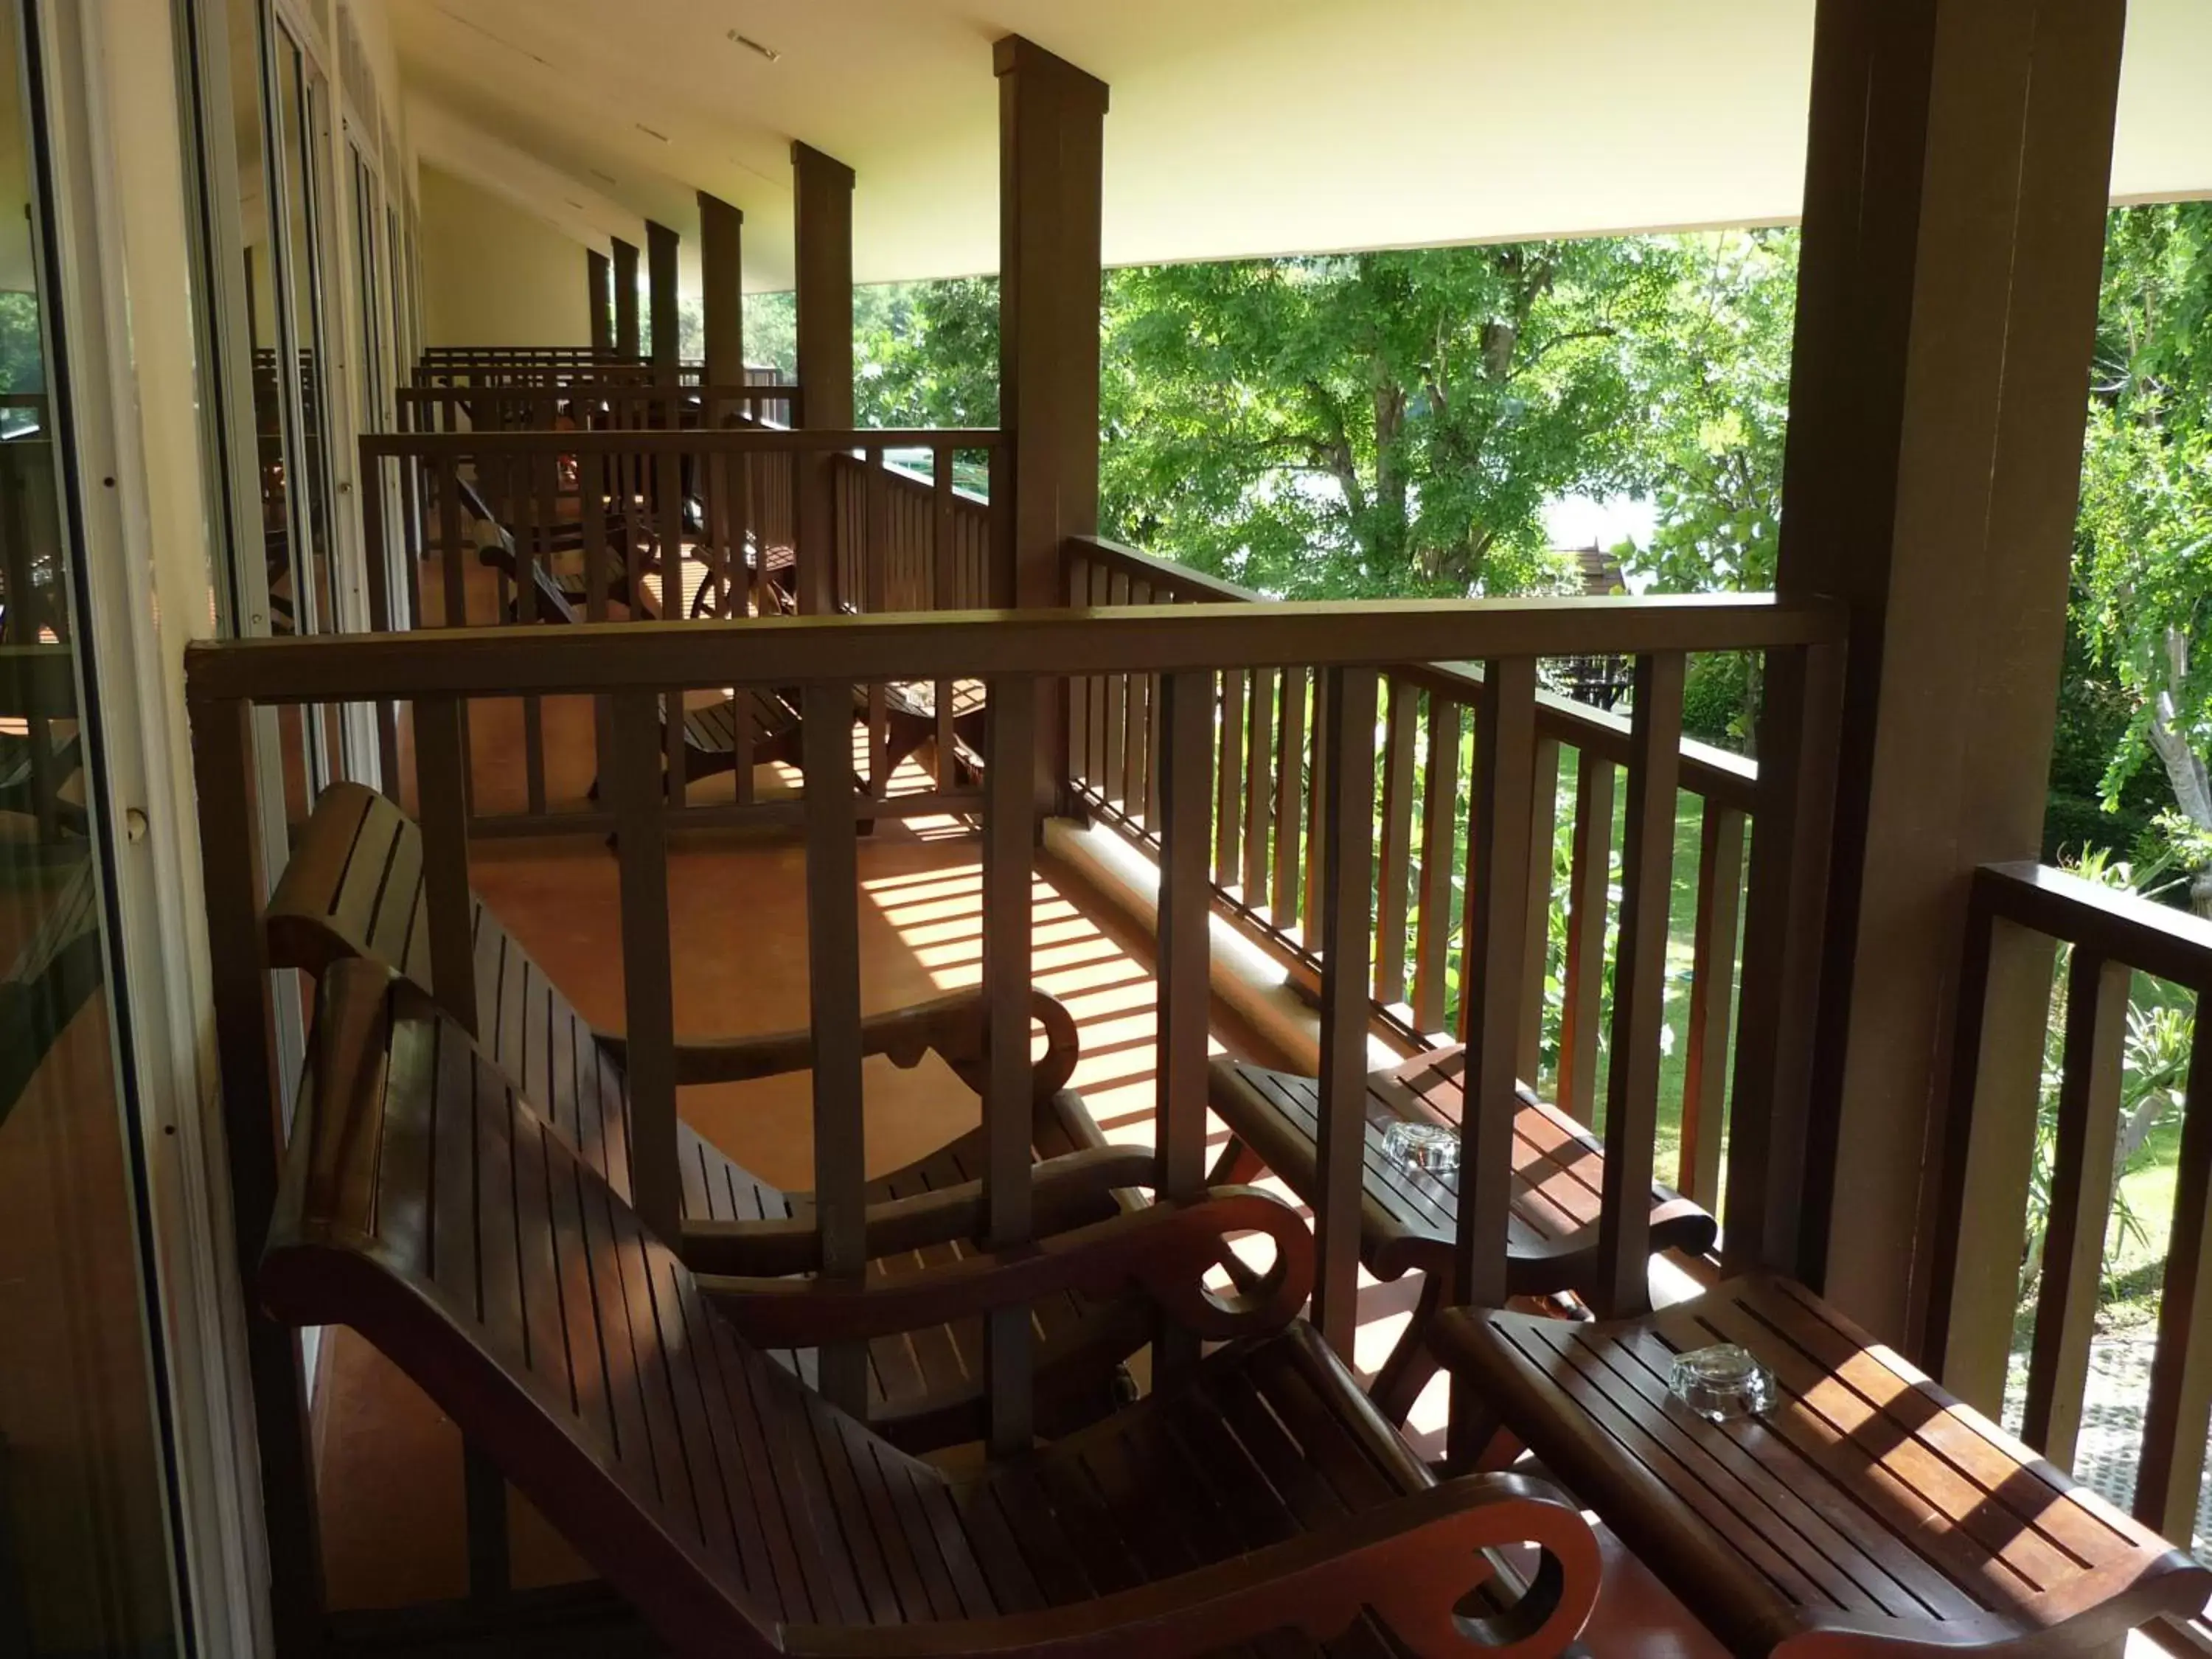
<point>493,275</point>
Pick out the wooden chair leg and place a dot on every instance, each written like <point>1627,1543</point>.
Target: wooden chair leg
<point>1411,1364</point>
<point>1238,1165</point>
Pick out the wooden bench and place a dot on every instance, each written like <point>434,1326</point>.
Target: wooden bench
<point>353,888</point>
<point>1869,1511</point>
<point>1259,1502</point>
<point>1409,1219</point>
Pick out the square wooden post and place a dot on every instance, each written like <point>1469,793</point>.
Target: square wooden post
<point>601,277</point>
<point>1052,129</point>
<point>722,289</point>
<point>821,228</point>
<point>661,244</point>
<point>1956,188</point>
<point>625,273</point>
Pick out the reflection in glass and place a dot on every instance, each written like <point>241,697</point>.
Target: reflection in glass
<point>84,1548</point>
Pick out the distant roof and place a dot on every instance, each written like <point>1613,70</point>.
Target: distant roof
<point>1239,127</point>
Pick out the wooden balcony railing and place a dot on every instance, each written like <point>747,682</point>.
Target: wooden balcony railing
<point>617,404</point>
<point>2017,914</point>
<point>731,522</point>
<point>1024,662</point>
<point>1269,788</point>
<point>527,366</point>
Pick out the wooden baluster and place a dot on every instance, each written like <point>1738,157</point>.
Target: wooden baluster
<point>1080,750</point>
<point>1258,747</point>
<point>1505,741</point>
<point>943,593</point>
<point>2082,1164</point>
<point>1316,792</point>
<point>234,883</point>
<point>1136,751</point>
<point>1114,784</point>
<point>1639,987</point>
<point>1185,1002</point>
<point>1785,907</point>
<point>833,924</point>
<point>591,484</point>
<point>532,478</point>
<point>1228,786</point>
<point>874,537</point>
<point>1009,839</point>
<point>1589,875</point>
<point>1712,1002</point>
<point>1344,731</point>
<point>1154,739</point>
<point>451,554</point>
<point>1290,799</point>
<point>999,546</point>
<point>1102,761</point>
<point>380,607</point>
<point>1543,827</point>
<point>1401,720</point>
<point>641,832</point>
<point>2170,1474</point>
<point>1439,838</point>
<point>441,809</point>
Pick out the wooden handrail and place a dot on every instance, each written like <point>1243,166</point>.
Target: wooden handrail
<point>2157,938</point>
<point>1717,774</point>
<point>472,662</point>
<point>750,439</point>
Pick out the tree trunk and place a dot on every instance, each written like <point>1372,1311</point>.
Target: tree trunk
<point>2184,768</point>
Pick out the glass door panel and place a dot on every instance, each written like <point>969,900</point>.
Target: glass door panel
<point>85,1549</point>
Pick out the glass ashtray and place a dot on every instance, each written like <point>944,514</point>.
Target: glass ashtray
<point>1432,1148</point>
<point>1721,1383</point>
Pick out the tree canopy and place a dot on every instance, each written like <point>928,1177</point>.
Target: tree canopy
<point>1397,423</point>
<point>2143,588</point>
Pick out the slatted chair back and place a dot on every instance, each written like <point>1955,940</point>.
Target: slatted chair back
<point>354,888</point>
<point>426,1206</point>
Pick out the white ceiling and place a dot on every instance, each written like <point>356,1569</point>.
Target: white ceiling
<point>1238,127</point>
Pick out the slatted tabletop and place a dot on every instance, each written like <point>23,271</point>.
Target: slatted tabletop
<point>1410,1217</point>
<point>1866,1501</point>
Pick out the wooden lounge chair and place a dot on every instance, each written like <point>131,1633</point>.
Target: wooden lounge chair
<point>1868,1512</point>
<point>741,1514</point>
<point>1409,1219</point>
<point>353,889</point>
<point>497,549</point>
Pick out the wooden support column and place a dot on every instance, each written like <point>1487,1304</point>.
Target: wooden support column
<point>601,277</point>
<point>661,244</point>
<point>1052,130</point>
<point>625,273</point>
<point>722,290</point>
<point>821,228</point>
<point>1957,179</point>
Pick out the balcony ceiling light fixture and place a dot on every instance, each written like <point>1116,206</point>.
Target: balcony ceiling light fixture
<point>751,45</point>
<point>650,132</point>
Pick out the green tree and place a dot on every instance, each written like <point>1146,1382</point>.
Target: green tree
<point>2142,585</point>
<point>1376,423</point>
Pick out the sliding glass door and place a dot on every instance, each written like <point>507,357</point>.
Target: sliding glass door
<point>86,1560</point>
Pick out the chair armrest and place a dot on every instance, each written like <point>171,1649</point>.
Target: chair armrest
<point>1073,1190</point>
<point>1410,1560</point>
<point>1165,1250</point>
<point>954,1027</point>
